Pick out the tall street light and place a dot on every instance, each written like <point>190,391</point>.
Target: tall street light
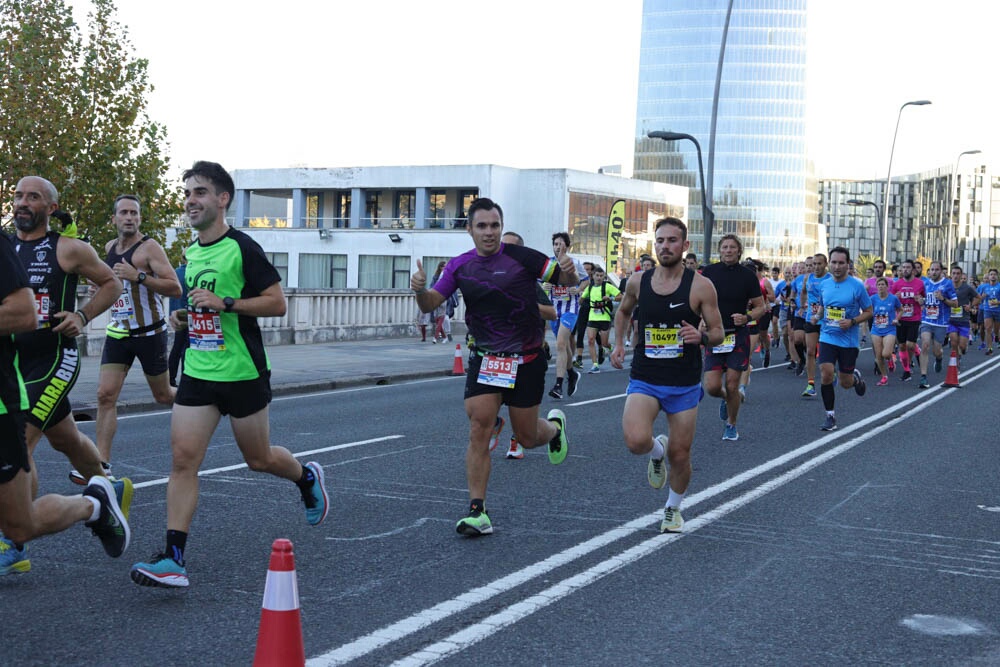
<point>878,212</point>
<point>888,176</point>
<point>951,217</point>
<point>707,215</point>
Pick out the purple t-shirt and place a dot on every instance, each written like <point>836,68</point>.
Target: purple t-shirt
<point>501,303</point>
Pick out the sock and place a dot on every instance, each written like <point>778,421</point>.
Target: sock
<point>811,381</point>
<point>826,391</point>
<point>559,382</point>
<point>97,508</point>
<point>477,505</point>
<point>829,413</point>
<point>307,479</point>
<point>176,543</point>
<point>674,499</point>
<point>657,452</point>
<point>904,358</point>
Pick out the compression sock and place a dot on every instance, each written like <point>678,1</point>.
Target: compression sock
<point>176,543</point>
<point>826,391</point>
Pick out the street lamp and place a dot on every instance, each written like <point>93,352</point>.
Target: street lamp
<point>878,212</point>
<point>707,215</point>
<point>888,176</point>
<point>951,217</point>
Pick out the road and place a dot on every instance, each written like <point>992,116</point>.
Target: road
<point>876,544</point>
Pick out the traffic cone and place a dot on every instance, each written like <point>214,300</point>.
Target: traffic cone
<point>279,639</point>
<point>456,368</point>
<point>951,378</point>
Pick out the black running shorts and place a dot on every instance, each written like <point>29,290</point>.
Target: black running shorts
<point>236,399</point>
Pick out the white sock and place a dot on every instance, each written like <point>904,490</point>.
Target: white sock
<point>657,452</point>
<point>97,508</point>
<point>675,499</point>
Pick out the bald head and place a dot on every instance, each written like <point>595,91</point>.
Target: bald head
<point>35,198</point>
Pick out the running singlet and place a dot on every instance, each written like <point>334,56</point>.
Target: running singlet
<point>884,313</point>
<point>13,397</point>
<point>991,297</point>
<point>937,312</point>
<point>501,306</point>
<point>907,291</point>
<point>814,311</point>
<point>227,347</point>
<point>841,301</point>
<point>55,291</point>
<point>594,297</point>
<point>965,294</point>
<point>661,358</point>
<point>736,285</point>
<point>138,311</point>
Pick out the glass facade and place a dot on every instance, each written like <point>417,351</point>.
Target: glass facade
<point>763,186</point>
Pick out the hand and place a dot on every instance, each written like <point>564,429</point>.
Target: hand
<point>690,335</point>
<point>202,298</point>
<point>71,325</point>
<point>566,265</point>
<point>126,271</point>
<point>178,319</point>
<point>845,325</point>
<point>618,355</point>
<point>418,281</point>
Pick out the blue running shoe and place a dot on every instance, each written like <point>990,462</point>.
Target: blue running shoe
<point>110,526</point>
<point>723,411</point>
<point>730,433</point>
<point>12,559</point>
<point>161,571</point>
<point>316,500</point>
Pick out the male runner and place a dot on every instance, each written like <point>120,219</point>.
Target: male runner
<point>959,315</point>
<point>567,303</point>
<point>580,332</point>
<point>600,296</point>
<point>810,300</point>
<point>940,298</point>
<point>799,315</point>
<point>691,261</point>
<point>506,364</point>
<point>22,519</point>
<point>907,289</point>
<point>843,303</point>
<point>989,293</point>
<point>777,289</point>
<point>138,328</point>
<point>226,370</point>
<point>736,286</point>
<point>666,364</point>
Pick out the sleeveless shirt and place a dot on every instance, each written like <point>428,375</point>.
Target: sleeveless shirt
<point>138,311</point>
<point>661,358</point>
<point>55,291</point>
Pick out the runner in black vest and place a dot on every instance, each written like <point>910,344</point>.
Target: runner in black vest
<point>666,365</point>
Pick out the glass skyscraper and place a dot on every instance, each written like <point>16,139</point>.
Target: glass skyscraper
<point>763,187</point>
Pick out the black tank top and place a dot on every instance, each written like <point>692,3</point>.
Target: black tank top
<point>113,256</point>
<point>660,357</point>
<point>55,291</point>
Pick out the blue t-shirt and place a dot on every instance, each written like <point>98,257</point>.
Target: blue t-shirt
<point>813,288</point>
<point>798,311</point>
<point>841,301</point>
<point>885,312</point>
<point>936,312</point>
<point>991,297</point>
<point>779,292</point>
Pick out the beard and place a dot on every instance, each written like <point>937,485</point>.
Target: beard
<point>26,221</point>
<point>668,261</point>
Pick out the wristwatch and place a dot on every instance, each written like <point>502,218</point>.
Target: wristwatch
<point>141,277</point>
<point>229,302</point>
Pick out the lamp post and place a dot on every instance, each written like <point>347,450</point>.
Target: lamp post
<point>951,216</point>
<point>707,215</point>
<point>878,213</point>
<point>888,176</point>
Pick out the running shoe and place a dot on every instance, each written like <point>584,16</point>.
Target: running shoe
<point>123,493</point>
<point>723,410</point>
<point>12,559</point>
<point>80,480</point>
<point>859,383</point>
<point>730,433</point>
<point>656,471</point>
<point>516,451</point>
<point>924,384</point>
<point>555,392</point>
<point>989,350</point>
<point>578,363</point>
<point>982,346</point>
<point>672,520</point>
<point>864,339</point>
<point>884,382</point>
<point>809,391</point>
<point>161,571</point>
<point>892,363</point>
<point>110,526</point>
<point>600,354</point>
<point>801,368</point>
<point>560,446</point>
<point>788,357</point>
<point>316,501</point>
<point>907,376</point>
<point>937,364</point>
<point>477,523</point>
<point>830,424</point>
<point>573,381</point>
<point>767,357</point>
<point>497,428</point>
<point>792,366</point>
<point>594,369</point>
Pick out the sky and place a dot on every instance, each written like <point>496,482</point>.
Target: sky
<point>532,84</point>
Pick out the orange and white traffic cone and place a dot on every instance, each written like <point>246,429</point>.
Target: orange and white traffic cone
<point>279,639</point>
<point>456,368</point>
<point>951,378</point>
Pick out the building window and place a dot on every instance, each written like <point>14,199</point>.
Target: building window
<point>280,262</point>
<point>374,209</point>
<point>437,202</point>
<point>465,199</point>
<point>383,272</point>
<point>322,271</point>
<point>406,205</point>
<point>343,220</point>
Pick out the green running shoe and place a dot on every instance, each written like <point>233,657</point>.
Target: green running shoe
<point>474,525</point>
<point>558,449</point>
<point>12,559</point>
<point>672,520</point>
<point>123,493</point>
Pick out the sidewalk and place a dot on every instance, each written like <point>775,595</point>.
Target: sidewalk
<point>298,369</point>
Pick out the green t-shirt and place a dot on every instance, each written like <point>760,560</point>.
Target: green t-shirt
<point>227,347</point>
<point>594,296</point>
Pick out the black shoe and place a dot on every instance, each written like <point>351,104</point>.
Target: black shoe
<point>767,357</point>
<point>556,392</point>
<point>907,376</point>
<point>801,368</point>
<point>788,357</point>
<point>111,526</point>
<point>600,355</point>
<point>573,382</point>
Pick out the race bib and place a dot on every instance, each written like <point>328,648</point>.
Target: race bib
<point>728,345</point>
<point>834,315</point>
<point>122,309</point>
<point>498,371</point>
<point>43,305</point>
<point>205,331</point>
<point>560,293</point>
<point>907,310</point>
<point>932,311</point>
<point>993,303</point>
<point>881,320</point>
<point>663,343</point>
<point>957,312</point>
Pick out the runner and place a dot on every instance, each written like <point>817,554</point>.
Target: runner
<point>226,370</point>
<point>600,296</point>
<point>907,288</point>
<point>989,294</point>
<point>138,328</point>
<point>580,332</point>
<point>22,519</point>
<point>959,316</point>
<point>736,286</point>
<point>940,298</point>
<point>799,315</point>
<point>777,288</point>
<point>885,317</point>
<point>567,305</point>
<point>843,303</point>
<point>498,283</point>
<point>666,364</point>
<point>810,299</point>
<point>691,261</point>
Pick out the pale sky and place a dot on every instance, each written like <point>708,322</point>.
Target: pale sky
<point>542,83</point>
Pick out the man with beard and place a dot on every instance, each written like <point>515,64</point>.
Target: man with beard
<point>910,291</point>
<point>939,297</point>
<point>666,364</point>
<point>959,320</point>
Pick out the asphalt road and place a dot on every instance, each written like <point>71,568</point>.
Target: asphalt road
<point>876,544</point>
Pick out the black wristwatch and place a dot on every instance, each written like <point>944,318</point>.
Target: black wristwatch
<point>229,302</point>
<point>141,277</point>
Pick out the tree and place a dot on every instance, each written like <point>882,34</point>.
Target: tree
<point>73,110</point>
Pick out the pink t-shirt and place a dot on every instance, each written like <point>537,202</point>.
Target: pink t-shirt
<point>907,291</point>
